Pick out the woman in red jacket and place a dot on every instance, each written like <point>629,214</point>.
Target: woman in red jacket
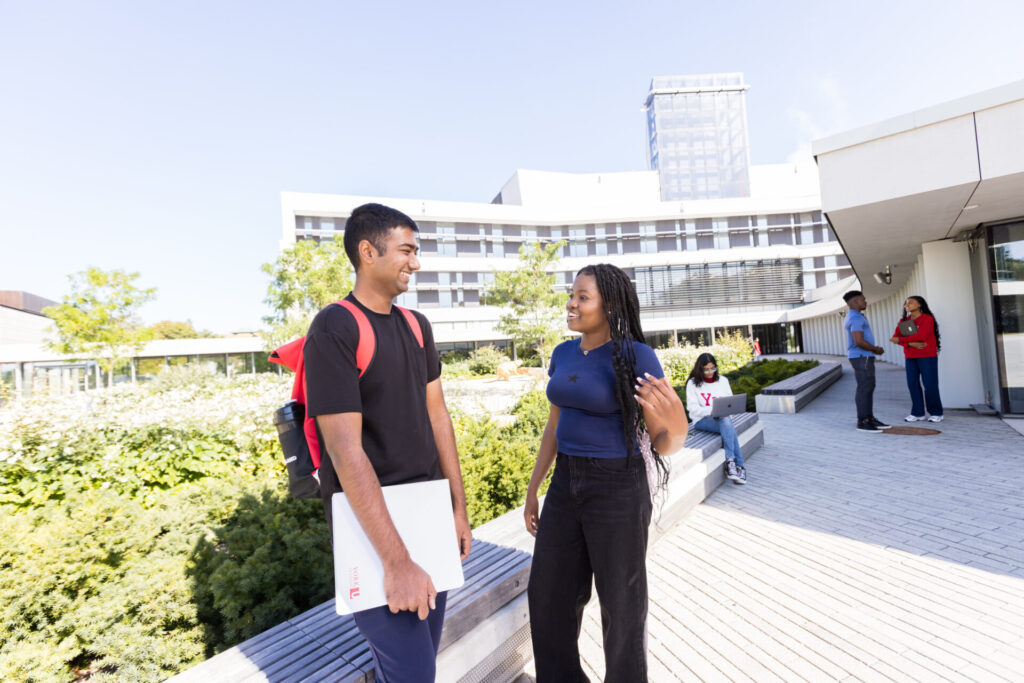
<point>921,350</point>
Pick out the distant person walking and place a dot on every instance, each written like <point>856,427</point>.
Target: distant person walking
<point>861,350</point>
<point>757,347</point>
<point>918,334</point>
<point>702,388</point>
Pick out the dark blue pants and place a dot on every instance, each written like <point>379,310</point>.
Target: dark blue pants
<point>924,370</point>
<point>404,648</point>
<point>593,528</point>
<point>864,373</point>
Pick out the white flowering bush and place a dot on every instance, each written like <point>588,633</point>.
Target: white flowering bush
<point>139,440</point>
<point>731,351</point>
<point>144,528</point>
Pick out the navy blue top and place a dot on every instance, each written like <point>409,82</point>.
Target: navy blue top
<point>583,388</point>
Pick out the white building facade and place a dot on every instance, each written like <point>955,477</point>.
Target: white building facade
<point>932,202</point>
<point>750,264</point>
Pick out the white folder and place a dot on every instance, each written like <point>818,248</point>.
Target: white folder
<point>422,514</point>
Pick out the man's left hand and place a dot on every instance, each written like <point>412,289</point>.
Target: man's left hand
<point>463,533</point>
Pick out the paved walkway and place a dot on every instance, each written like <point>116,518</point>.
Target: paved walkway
<point>848,556</point>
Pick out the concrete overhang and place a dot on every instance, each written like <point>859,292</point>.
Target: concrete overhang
<point>890,187</point>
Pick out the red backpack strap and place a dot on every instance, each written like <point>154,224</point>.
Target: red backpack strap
<point>367,345</point>
<point>414,324</point>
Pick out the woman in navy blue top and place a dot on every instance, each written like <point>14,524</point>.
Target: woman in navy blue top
<point>604,387</point>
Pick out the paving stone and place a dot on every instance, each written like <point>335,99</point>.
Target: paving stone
<point>848,556</point>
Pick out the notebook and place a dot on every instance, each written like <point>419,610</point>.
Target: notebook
<point>728,405</point>
<point>422,513</point>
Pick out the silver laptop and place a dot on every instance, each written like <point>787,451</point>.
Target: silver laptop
<point>728,405</point>
<point>907,327</point>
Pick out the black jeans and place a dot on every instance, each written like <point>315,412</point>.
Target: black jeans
<point>593,527</point>
<point>864,372</point>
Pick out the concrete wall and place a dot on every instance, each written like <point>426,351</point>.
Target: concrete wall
<point>826,335</point>
<point>947,274</point>
<point>19,327</point>
<point>943,276</point>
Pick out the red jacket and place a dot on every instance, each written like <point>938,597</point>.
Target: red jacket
<point>925,333</point>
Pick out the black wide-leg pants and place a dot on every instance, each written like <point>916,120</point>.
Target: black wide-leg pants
<point>593,528</point>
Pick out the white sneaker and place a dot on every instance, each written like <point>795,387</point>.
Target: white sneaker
<point>935,418</point>
<point>914,418</point>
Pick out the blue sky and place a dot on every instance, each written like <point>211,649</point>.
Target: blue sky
<point>157,137</point>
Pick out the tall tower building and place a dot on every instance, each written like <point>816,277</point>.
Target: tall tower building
<point>697,136</point>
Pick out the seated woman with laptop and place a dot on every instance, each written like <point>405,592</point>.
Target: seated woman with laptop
<point>703,387</point>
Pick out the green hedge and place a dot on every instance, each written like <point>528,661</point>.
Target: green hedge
<point>497,461</point>
<point>143,529</point>
<point>99,584</point>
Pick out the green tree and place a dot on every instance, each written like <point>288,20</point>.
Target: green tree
<point>303,279</point>
<point>535,308</point>
<point>171,329</point>
<point>98,320</point>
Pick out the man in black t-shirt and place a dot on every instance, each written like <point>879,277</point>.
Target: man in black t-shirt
<point>390,426</point>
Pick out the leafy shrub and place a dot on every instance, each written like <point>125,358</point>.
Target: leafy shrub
<point>497,461</point>
<point>732,351</point>
<point>140,440</point>
<point>485,360</point>
<point>98,583</point>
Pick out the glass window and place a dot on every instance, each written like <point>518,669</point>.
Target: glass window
<point>600,241</point>
<point>446,240</point>
<point>648,241</point>
<point>577,241</point>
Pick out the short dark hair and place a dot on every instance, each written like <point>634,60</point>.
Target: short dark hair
<point>372,222</point>
<point>852,294</point>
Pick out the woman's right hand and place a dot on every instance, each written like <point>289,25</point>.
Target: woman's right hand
<point>531,513</point>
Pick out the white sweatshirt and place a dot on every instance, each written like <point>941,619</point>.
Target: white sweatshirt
<point>698,399</point>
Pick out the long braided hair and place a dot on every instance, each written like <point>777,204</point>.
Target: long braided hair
<point>622,308</point>
<point>924,309</point>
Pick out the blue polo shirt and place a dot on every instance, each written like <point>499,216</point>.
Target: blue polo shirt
<point>583,388</point>
<point>856,322</point>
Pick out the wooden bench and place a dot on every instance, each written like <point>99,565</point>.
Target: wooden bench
<point>319,645</point>
<point>486,634</point>
<point>698,469</point>
<point>792,394</point>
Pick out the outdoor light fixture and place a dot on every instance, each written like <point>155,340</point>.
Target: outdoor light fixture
<point>884,277</point>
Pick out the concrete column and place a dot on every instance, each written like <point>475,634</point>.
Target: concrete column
<point>99,380</point>
<point>252,362</point>
<point>131,363</point>
<point>19,381</point>
<point>227,365</point>
<point>950,295</point>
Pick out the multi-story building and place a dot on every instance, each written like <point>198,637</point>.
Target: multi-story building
<point>697,136</point>
<point>700,267</point>
<point>712,243</point>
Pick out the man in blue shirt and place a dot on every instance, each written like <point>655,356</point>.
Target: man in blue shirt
<point>861,349</point>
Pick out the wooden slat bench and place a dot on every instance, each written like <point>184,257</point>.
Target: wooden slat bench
<point>792,394</point>
<point>319,645</point>
<point>697,469</point>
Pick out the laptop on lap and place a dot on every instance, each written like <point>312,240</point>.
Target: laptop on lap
<point>722,406</point>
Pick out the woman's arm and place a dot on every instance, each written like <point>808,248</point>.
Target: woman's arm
<point>545,457</point>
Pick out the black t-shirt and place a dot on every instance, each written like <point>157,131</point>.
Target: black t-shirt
<point>391,394</point>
